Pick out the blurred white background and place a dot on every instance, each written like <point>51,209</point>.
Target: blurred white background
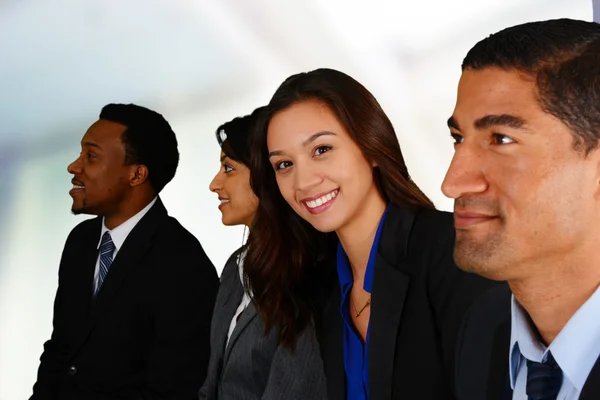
<point>200,63</point>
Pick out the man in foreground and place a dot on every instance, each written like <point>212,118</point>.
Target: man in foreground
<point>526,182</point>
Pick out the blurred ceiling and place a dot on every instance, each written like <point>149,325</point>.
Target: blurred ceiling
<point>62,60</point>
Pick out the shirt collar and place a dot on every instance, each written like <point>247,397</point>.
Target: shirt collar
<point>120,233</point>
<point>523,341</point>
<point>575,349</point>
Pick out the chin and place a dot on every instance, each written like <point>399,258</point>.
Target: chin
<point>484,266</point>
<point>229,221</point>
<point>323,226</point>
<point>79,210</point>
<point>82,207</point>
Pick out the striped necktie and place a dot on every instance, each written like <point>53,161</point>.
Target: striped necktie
<point>107,248</point>
<point>543,379</point>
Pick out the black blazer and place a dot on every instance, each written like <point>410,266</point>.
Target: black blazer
<point>146,335</point>
<point>418,301</point>
<point>483,352</point>
<point>253,365</point>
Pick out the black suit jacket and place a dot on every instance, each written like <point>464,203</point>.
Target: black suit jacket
<point>253,365</point>
<point>146,335</point>
<point>418,301</point>
<point>483,352</point>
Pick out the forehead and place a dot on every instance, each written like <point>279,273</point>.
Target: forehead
<point>495,91</point>
<point>104,131</point>
<point>298,122</point>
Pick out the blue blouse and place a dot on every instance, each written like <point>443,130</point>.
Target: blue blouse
<point>355,353</point>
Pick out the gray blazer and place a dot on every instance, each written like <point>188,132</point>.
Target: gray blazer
<point>253,365</point>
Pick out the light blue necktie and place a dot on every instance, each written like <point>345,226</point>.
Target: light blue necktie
<point>107,248</point>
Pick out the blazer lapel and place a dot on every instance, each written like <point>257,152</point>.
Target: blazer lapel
<point>137,244</point>
<point>245,318</point>
<point>591,389</point>
<point>83,273</point>
<point>231,279</point>
<point>232,298</point>
<point>387,302</point>
<point>390,286</point>
<point>498,383</point>
<point>332,344</point>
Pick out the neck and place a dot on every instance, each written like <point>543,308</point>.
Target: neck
<point>357,236</point>
<point>131,207</point>
<point>556,293</point>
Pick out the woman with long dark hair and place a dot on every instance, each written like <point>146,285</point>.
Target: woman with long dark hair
<point>343,235</point>
<point>246,362</point>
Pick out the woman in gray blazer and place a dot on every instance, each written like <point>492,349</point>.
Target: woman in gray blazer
<point>246,361</point>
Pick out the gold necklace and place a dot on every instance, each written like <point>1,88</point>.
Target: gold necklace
<point>367,304</point>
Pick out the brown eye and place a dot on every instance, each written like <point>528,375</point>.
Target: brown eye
<point>322,150</point>
<point>282,165</point>
<point>498,138</point>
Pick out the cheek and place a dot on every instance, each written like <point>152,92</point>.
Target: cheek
<point>570,191</point>
<point>248,196</point>
<point>518,183</point>
<point>111,177</point>
<point>555,201</point>
<point>355,174</point>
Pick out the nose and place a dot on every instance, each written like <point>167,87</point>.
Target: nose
<point>465,174</point>
<point>306,176</point>
<point>75,167</point>
<point>216,184</point>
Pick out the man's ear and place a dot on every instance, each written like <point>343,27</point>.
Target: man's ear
<point>139,175</point>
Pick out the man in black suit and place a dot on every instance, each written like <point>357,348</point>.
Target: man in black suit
<point>526,182</point>
<point>136,291</point>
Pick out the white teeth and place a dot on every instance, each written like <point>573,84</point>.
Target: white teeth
<point>223,201</point>
<point>78,187</point>
<point>321,200</point>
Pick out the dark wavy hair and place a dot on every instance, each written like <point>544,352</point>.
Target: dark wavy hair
<point>234,136</point>
<point>285,251</point>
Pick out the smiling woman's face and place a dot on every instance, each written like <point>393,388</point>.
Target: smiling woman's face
<point>321,172</point>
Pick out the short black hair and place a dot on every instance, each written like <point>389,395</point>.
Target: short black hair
<point>234,136</point>
<point>562,57</point>
<point>148,140</point>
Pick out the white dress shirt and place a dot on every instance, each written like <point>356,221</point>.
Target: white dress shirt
<point>118,236</point>
<point>575,349</point>
<point>245,298</point>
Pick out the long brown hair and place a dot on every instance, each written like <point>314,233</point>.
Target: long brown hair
<point>283,249</point>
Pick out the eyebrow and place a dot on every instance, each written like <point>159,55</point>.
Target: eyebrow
<point>510,121</point>
<point>223,157</point>
<point>489,121</point>
<point>308,141</point>
<point>90,144</point>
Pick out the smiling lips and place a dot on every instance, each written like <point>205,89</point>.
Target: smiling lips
<point>467,219</point>
<point>223,201</point>
<point>77,187</point>
<point>321,202</point>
